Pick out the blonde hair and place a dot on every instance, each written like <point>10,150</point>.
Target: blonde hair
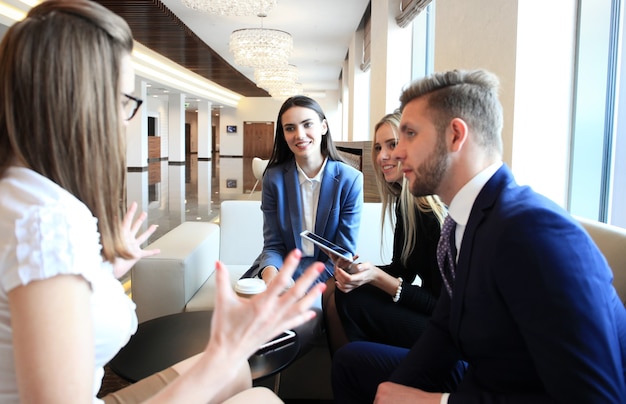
<point>60,106</point>
<point>394,195</point>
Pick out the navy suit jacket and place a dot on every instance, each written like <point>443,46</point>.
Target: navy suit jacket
<point>533,312</point>
<point>338,214</point>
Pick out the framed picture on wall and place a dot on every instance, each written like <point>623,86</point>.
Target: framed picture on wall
<point>231,128</point>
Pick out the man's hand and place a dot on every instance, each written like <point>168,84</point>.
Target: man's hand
<point>394,393</point>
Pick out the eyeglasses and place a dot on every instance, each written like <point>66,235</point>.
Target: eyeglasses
<point>131,105</point>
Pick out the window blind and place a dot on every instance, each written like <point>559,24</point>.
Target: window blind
<point>409,9</point>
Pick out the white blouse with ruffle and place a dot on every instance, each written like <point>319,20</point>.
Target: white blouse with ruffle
<point>44,232</point>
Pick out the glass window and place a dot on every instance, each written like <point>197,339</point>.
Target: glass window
<point>594,136</point>
<point>423,43</point>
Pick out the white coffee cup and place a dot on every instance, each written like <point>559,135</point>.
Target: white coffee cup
<point>248,287</point>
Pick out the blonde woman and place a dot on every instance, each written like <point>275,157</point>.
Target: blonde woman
<point>381,304</point>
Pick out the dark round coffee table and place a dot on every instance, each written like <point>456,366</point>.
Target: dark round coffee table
<point>161,342</point>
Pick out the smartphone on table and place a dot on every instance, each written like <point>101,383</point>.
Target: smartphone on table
<point>281,339</point>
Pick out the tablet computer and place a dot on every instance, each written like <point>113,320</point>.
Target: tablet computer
<point>327,246</point>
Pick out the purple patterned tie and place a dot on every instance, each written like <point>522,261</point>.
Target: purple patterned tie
<point>446,257</point>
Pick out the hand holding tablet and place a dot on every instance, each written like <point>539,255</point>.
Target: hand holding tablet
<point>339,255</point>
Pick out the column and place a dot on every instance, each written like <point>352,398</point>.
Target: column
<point>137,191</point>
<point>204,130</point>
<point>204,188</point>
<point>176,121</point>
<point>532,54</point>
<point>137,131</point>
<point>176,193</point>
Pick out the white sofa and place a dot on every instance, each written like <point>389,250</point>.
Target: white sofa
<point>164,284</point>
<point>241,241</point>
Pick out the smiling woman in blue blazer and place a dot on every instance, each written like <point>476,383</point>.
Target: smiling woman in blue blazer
<point>306,186</point>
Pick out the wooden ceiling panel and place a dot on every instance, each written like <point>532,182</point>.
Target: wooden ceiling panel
<point>156,27</point>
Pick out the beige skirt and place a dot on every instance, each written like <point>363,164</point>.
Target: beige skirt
<point>146,388</point>
<point>143,389</point>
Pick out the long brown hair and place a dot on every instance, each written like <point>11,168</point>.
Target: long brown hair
<point>60,105</point>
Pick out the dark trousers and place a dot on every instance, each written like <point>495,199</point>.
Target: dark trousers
<point>359,367</point>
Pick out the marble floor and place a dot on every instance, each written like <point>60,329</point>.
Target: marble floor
<point>173,193</point>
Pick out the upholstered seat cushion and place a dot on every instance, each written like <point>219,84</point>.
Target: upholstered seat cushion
<point>611,240</point>
<point>204,299</point>
<point>164,283</point>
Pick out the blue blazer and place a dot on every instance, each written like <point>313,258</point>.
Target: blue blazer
<point>338,214</point>
<point>533,312</point>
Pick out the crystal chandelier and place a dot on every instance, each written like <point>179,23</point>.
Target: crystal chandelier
<point>232,7</point>
<point>274,77</point>
<point>260,47</point>
<point>286,91</point>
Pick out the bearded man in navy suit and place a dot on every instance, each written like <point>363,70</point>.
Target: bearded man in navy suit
<point>530,315</point>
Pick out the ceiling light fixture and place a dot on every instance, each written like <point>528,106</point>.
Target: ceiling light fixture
<point>286,91</point>
<point>275,77</point>
<point>261,47</point>
<point>231,7</point>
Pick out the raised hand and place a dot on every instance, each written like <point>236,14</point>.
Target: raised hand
<point>133,242</point>
<point>239,326</point>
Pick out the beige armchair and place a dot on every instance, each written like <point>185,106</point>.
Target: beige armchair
<point>612,242</point>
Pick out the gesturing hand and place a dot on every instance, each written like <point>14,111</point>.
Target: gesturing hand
<point>239,325</point>
<point>133,242</point>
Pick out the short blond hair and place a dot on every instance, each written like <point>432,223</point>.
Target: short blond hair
<point>471,95</point>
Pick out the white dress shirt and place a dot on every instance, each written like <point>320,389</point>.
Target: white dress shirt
<point>310,194</point>
<point>463,201</point>
<point>460,209</point>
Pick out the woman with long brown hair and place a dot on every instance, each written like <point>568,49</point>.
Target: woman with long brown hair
<point>306,186</point>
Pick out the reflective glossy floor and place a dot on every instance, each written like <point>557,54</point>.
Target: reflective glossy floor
<point>173,193</point>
